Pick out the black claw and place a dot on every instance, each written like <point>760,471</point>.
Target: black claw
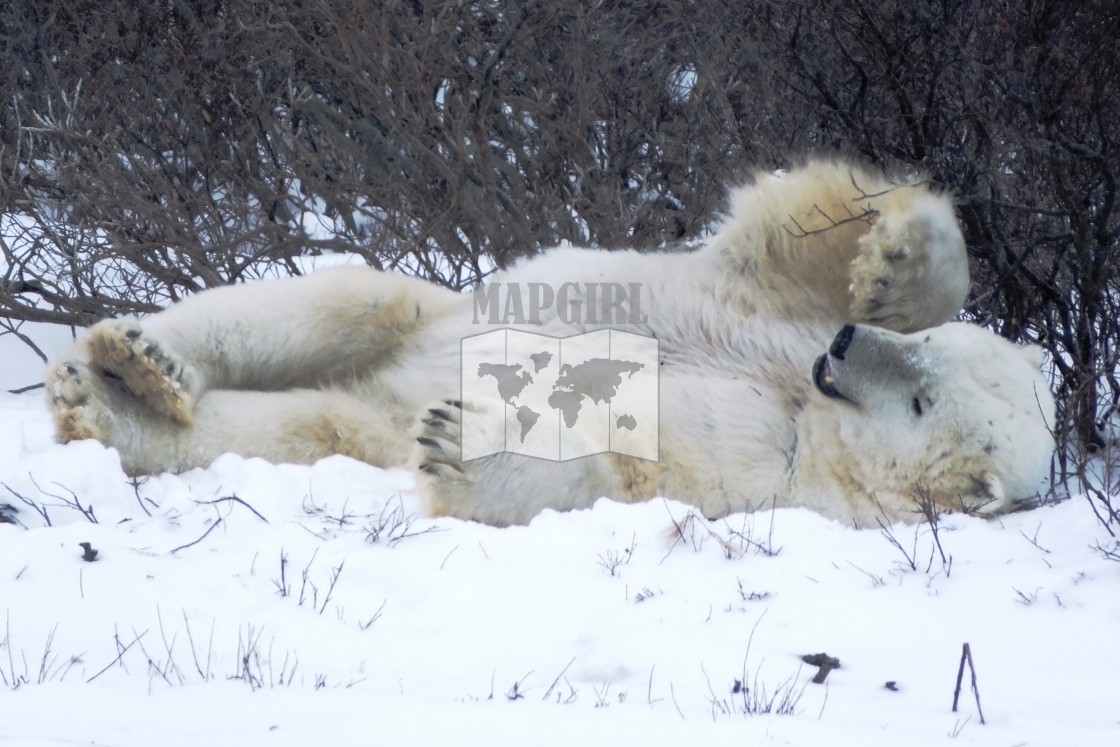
<point>431,443</point>
<point>458,404</point>
<point>441,414</point>
<point>432,468</point>
<point>435,424</point>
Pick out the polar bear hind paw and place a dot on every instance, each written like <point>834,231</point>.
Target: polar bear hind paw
<point>78,399</point>
<point>156,376</point>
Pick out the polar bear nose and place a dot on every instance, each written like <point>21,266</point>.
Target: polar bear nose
<point>842,341</point>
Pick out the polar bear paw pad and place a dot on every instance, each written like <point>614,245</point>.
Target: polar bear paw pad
<point>79,408</point>
<point>153,374</point>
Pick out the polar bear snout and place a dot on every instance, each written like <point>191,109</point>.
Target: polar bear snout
<point>824,377</point>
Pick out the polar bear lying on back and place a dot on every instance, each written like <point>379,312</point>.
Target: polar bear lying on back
<point>806,360</point>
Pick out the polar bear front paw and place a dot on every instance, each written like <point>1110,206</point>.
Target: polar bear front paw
<point>439,440</point>
<point>155,375</point>
<point>880,290</point>
<point>911,272</point>
<point>449,484</point>
<point>77,397</point>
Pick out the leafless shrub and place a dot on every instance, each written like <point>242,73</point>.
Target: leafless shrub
<point>35,506</point>
<point>394,524</point>
<point>1110,551</point>
<point>343,518</point>
<point>694,530</point>
<point>755,697</point>
<point>68,501</point>
<point>256,667</point>
<point>517,690</point>
<point>603,695</point>
<point>930,526</point>
<point>249,658</point>
<point>750,595</point>
<point>613,560</point>
<point>747,537</point>
<point>15,672</point>
<point>283,588</point>
<point>1096,475</point>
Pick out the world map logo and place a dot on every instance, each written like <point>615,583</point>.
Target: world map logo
<point>560,398</point>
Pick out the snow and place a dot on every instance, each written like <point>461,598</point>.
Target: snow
<point>621,624</point>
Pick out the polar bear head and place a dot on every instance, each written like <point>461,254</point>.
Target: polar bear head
<point>954,409</point>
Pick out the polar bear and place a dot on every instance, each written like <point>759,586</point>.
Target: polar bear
<point>806,359</point>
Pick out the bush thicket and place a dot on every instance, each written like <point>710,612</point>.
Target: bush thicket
<point>149,150</point>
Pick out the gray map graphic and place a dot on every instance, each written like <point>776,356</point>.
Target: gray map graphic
<point>597,379</point>
<point>569,387</point>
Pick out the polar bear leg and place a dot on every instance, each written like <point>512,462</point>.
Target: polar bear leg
<point>503,488</point>
<point>849,244</point>
<point>298,426</point>
<point>309,331</point>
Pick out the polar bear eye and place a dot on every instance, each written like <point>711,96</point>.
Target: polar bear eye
<point>916,404</point>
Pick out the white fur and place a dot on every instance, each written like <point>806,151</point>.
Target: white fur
<point>360,362</point>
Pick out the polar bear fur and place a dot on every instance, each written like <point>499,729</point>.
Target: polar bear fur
<point>806,360</point>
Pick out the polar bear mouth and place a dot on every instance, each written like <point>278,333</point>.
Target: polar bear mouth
<point>825,382</point>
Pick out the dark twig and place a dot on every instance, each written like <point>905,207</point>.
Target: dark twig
<point>120,653</point>
<point>234,499</point>
<point>204,536</point>
<point>336,572</point>
<point>139,498</point>
<point>28,388</point>
<point>72,502</point>
<point>966,656</point>
<point>557,680</point>
<point>36,507</point>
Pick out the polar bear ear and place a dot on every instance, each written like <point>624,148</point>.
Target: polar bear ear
<point>989,493</point>
<point>993,487</point>
<point>1033,354</point>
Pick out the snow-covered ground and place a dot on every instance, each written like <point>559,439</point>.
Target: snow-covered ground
<point>256,604</point>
